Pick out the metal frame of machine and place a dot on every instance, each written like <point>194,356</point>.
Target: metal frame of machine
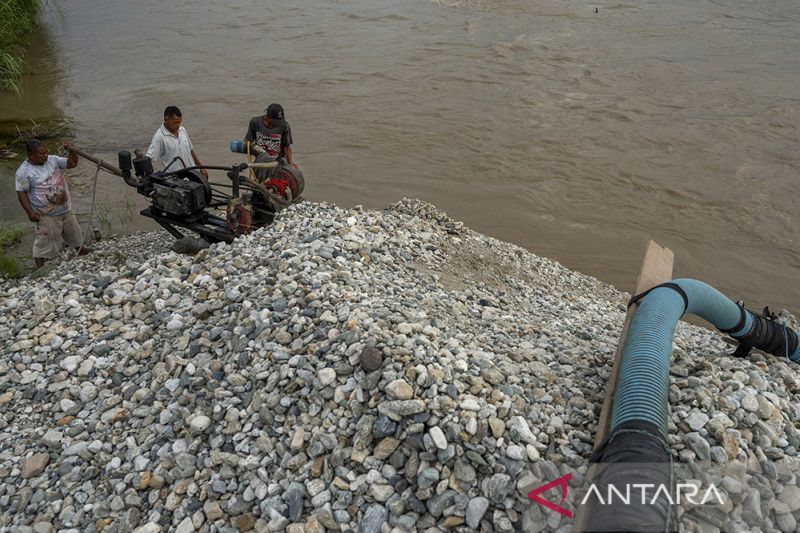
<point>182,198</point>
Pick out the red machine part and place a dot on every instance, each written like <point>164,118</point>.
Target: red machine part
<point>240,217</point>
<point>286,181</point>
<point>278,185</point>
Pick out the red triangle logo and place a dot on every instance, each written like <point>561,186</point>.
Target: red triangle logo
<point>560,482</point>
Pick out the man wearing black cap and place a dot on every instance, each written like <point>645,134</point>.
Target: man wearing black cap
<point>271,134</point>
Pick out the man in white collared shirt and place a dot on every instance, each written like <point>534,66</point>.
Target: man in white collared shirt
<point>172,140</point>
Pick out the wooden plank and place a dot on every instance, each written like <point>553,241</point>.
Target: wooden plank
<point>656,269</point>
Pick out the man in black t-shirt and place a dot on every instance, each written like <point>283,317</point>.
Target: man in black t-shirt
<point>271,134</point>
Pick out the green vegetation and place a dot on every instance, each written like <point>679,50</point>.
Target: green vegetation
<point>10,235</point>
<point>104,218</point>
<point>17,18</point>
<point>9,265</point>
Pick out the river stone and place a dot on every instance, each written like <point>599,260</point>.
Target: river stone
<point>34,465</point>
<point>297,439</point>
<point>470,403</point>
<point>464,471</point>
<point>427,478</point>
<point>438,437</point>
<point>213,511</point>
<point>731,445</point>
<point>86,367</point>
<point>53,438</point>
<point>791,497</point>
<point>380,492</point>
<point>174,324</point>
<point>493,376</point>
<point>397,409</point>
<point>764,410</point>
<point>384,427</point>
<point>374,518</point>
<point>699,445</point>
<point>186,526</point>
<point>326,376</point>
<point>500,486</point>
<point>517,453</point>
<point>519,427</point>
<point>6,397</point>
<point>399,389</point>
<point>70,363</point>
<point>294,497</point>
<point>69,407</point>
<point>43,527</point>
<point>439,502</point>
<point>476,508</point>
<point>719,455</point>
<point>200,423</point>
<point>786,523</point>
<point>237,506</point>
<point>385,448</point>
<point>751,508</point>
<point>497,426</point>
<point>149,527</point>
<point>371,359</point>
<point>697,420</point>
<point>750,403</point>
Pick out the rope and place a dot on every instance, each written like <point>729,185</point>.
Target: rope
<point>91,212</point>
<point>249,160</point>
<point>786,342</point>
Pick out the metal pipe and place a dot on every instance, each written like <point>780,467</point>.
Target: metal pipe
<point>130,180</point>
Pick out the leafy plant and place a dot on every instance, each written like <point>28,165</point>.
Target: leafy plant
<point>17,18</point>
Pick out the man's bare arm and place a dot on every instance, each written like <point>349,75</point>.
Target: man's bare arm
<point>72,157</point>
<point>197,162</point>
<point>25,202</point>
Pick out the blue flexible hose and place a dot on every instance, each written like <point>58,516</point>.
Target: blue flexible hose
<point>643,381</point>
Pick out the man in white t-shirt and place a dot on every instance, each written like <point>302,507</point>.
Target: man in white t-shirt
<point>44,195</point>
<point>172,140</point>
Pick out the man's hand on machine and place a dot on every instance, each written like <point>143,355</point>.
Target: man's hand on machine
<point>254,148</point>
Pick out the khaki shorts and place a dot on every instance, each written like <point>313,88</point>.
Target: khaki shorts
<point>53,232</point>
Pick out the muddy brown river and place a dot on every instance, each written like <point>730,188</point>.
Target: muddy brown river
<point>576,130</point>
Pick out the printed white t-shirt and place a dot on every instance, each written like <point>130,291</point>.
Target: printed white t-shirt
<point>45,184</point>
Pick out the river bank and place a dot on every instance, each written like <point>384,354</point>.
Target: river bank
<point>347,369</point>
<point>585,130</point>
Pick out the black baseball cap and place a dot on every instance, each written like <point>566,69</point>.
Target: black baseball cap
<point>274,111</point>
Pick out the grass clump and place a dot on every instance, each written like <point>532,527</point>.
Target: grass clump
<point>17,18</point>
<point>10,235</point>
<point>9,267</point>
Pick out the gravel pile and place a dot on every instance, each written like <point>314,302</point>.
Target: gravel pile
<point>358,370</point>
